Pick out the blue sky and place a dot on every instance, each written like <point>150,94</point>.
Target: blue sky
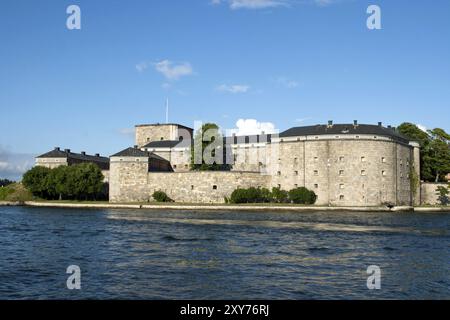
<point>287,62</point>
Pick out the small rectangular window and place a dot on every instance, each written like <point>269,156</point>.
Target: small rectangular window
<point>341,172</point>
<point>341,159</point>
<point>279,173</point>
<point>341,197</point>
<point>383,160</point>
<point>316,186</point>
<point>383,173</point>
<point>296,173</point>
<point>214,187</point>
<point>316,173</point>
<point>341,186</point>
<point>363,172</point>
<point>363,159</point>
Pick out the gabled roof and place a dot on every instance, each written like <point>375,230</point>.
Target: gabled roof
<point>58,153</point>
<point>131,152</point>
<point>343,129</point>
<point>136,152</point>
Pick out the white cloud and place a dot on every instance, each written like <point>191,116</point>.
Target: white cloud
<point>252,126</point>
<point>287,83</point>
<point>252,4</point>
<point>173,71</point>
<point>142,66</point>
<point>263,4</point>
<point>235,88</point>
<point>422,127</point>
<point>14,165</point>
<point>324,3</point>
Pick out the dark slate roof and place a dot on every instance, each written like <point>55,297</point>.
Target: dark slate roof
<point>167,144</point>
<point>135,152</point>
<point>58,153</point>
<point>342,129</point>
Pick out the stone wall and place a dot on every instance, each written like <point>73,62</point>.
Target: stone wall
<point>157,132</point>
<point>350,171</point>
<point>51,162</point>
<point>428,193</point>
<point>129,182</point>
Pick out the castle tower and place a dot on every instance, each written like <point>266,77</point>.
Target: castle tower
<point>146,133</point>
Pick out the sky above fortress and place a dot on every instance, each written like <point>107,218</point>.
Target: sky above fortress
<point>283,63</point>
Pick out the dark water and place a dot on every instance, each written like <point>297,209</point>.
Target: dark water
<point>230,255</point>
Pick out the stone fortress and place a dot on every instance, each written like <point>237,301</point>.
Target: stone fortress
<point>344,164</point>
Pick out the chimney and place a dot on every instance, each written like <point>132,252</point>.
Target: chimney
<point>83,153</point>
<point>380,124</point>
<point>389,127</point>
<point>67,150</point>
<point>57,149</point>
<point>135,146</point>
<point>355,123</point>
<point>97,154</point>
<point>330,123</point>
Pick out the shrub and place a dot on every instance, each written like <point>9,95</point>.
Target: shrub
<point>442,193</point>
<point>161,196</point>
<point>279,196</point>
<point>302,196</point>
<point>239,196</point>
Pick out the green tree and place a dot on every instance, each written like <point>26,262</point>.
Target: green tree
<point>208,136</point>
<point>439,154</point>
<point>434,150</point>
<point>86,180</point>
<point>442,193</point>
<point>36,180</point>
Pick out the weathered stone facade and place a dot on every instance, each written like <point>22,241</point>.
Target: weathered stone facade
<point>429,193</point>
<point>361,169</point>
<point>146,133</point>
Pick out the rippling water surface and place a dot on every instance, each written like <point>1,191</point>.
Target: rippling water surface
<point>222,255</point>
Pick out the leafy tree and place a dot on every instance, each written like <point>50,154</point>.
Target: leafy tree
<point>442,193</point>
<point>439,154</point>
<point>302,196</point>
<point>87,179</point>
<point>81,182</point>
<point>211,133</point>
<point>36,180</point>
<point>434,150</point>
